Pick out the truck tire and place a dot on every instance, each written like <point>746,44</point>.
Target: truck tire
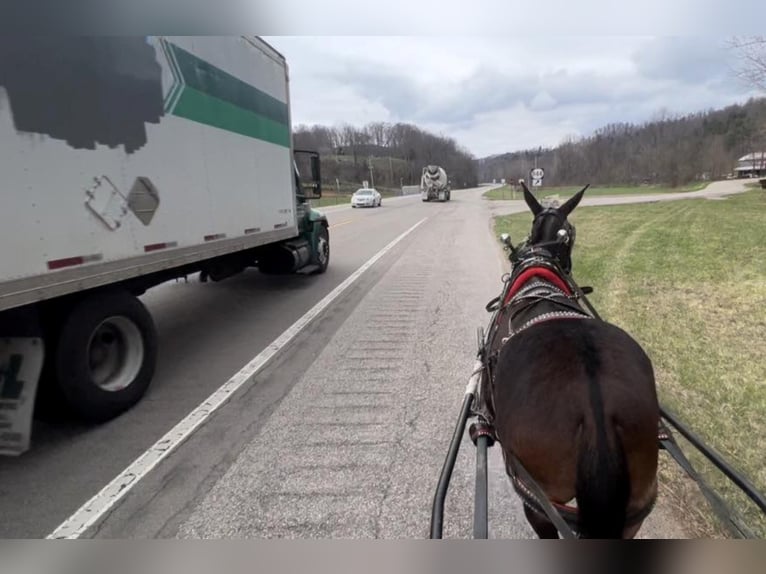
<point>105,355</point>
<point>322,254</point>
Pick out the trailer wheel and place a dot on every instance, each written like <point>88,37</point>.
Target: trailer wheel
<point>105,355</point>
<point>322,252</point>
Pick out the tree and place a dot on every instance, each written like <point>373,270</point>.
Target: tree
<point>398,153</point>
<point>752,56</point>
<point>671,149</point>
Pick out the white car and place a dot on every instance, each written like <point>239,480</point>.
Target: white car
<point>366,197</point>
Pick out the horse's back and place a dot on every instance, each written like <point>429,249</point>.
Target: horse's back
<point>565,358</point>
<point>556,382</point>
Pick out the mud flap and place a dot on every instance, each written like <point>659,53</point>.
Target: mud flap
<point>21,361</point>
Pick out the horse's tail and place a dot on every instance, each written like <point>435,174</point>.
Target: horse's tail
<point>602,486</point>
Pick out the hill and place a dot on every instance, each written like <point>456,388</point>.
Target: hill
<point>671,150</point>
<point>396,152</point>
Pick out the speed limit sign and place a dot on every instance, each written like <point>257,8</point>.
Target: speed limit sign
<point>536,175</point>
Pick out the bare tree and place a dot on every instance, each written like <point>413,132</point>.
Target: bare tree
<point>670,149</point>
<point>398,152</point>
<point>752,56</point>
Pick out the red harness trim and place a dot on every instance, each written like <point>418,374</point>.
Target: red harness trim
<point>541,272</point>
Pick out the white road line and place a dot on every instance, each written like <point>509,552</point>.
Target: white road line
<point>97,507</point>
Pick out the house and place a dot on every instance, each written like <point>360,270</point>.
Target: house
<point>751,165</point>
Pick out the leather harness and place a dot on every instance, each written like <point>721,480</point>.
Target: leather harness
<point>537,278</point>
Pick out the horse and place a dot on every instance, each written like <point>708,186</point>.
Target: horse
<point>572,398</point>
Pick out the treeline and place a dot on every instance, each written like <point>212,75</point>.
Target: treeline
<point>396,152</point>
<point>671,150</point>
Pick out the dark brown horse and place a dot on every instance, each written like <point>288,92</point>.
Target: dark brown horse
<point>573,398</point>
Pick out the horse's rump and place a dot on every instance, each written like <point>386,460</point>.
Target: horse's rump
<point>576,402</point>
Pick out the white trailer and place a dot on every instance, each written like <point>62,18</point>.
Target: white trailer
<point>434,184</point>
<point>124,163</point>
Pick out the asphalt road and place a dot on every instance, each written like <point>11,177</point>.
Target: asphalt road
<point>342,435</point>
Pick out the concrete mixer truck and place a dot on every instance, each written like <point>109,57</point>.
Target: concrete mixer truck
<point>434,184</point>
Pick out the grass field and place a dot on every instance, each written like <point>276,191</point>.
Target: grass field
<point>505,191</point>
<point>688,280</point>
<point>328,200</point>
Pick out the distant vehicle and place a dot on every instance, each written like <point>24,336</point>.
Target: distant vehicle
<point>366,197</point>
<point>434,184</point>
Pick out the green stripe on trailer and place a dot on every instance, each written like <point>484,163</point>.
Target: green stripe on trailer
<point>206,94</point>
<point>206,109</point>
<point>208,79</point>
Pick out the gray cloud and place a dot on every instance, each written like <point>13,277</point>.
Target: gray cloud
<point>395,91</point>
<point>496,94</point>
<point>688,60</point>
<point>520,17</point>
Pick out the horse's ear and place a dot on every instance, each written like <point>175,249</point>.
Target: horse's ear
<point>572,202</point>
<point>532,202</point>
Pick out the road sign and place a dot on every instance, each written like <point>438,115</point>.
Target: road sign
<point>536,176</point>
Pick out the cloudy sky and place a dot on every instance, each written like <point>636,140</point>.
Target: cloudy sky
<point>496,93</point>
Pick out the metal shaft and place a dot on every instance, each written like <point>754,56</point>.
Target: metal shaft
<point>747,487</point>
<point>437,513</point>
<point>480,508</point>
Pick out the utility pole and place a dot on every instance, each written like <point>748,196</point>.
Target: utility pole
<point>372,177</point>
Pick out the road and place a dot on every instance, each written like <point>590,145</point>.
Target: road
<point>342,434</point>
<point>716,190</point>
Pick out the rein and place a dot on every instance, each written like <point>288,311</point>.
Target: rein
<point>536,279</point>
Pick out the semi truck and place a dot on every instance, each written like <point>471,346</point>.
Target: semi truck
<point>434,184</point>
<point>126,162</point>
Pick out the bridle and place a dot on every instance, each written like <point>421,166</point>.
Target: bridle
<point>561,250</point>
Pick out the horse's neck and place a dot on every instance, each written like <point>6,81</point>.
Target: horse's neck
<point>537,298</point>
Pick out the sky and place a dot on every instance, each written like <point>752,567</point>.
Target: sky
<point>496,93</point>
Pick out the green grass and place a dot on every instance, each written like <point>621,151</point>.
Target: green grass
<point>688,280</point>
<point>329,200</point>
<point>564,192</point>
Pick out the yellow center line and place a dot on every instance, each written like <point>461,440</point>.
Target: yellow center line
<point>342,223</point>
